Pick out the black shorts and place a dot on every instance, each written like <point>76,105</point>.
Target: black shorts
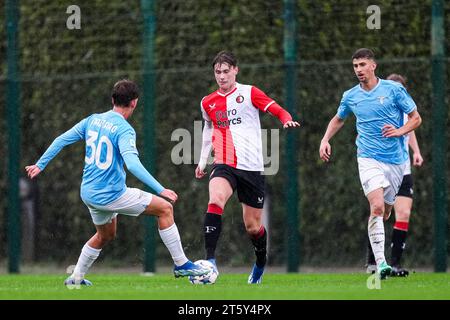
<point>406,189</point>
<point>249,184</point>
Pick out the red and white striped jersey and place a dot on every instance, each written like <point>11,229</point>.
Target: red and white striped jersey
<point>236,139</point>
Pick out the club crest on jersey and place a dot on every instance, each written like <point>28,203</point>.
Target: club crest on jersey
<point>381,98</point>
<point>240,99</point>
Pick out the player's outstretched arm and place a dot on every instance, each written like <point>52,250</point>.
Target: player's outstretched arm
<point>71,136</point>
<point>135,166</point>
<point>334,126</point>
<point>284,116</point>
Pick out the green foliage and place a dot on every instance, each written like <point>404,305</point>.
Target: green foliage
<point>68,74</point>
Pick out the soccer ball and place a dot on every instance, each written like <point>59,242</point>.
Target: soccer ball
<point>209,278</point>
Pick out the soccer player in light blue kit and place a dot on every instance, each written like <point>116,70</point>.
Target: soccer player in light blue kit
<point>111,142</point>
<point>379,106</point>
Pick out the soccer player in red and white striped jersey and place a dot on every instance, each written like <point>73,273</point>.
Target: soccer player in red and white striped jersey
<point>233,130</point>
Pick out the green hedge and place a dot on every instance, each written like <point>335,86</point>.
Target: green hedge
<point>68,74</point>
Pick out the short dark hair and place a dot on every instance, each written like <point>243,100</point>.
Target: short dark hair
<point>398,78</point>
<point>362,53</point>
<point>225,57</point>
<point>124,92</point>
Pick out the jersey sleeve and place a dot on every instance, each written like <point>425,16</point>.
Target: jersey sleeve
<point>127,142</point>
<point>206,144</point>
<point>344,109</point>
<point>280,113</point>
<point>403,100</point>
<point>135,166</point>
<point>260,99</point>
<point>76,133</point>
<point>204,113</point>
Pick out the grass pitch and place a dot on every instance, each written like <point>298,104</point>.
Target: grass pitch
<point>422,286</point>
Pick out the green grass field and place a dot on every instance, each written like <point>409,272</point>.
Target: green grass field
<point>423,286</point>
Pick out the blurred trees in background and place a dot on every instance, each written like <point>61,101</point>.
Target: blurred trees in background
<point>68,74</point>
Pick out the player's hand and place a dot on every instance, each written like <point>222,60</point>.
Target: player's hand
<point>389,131</point>
<point>199,173</point>
<point>170,195</point>
<point>417,160</point>
<point>32,171</point>
<point>291,124</point>
<point>325,151</point>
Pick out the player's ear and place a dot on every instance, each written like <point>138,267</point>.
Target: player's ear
<point>133,103</point>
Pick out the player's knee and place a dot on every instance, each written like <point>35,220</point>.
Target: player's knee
<point>106,237</point>
<point>403,215</point>
<point>218,198</point>
<point>377,209</point>
<point>252,230</point>
<point>167,209</point>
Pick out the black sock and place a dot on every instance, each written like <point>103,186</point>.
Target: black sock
<point>212,227</point>
<point>260,246</point>
<point>397,245</point>
<point>370,255</point>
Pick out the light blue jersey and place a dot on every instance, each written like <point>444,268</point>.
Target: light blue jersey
<point>109,138</point>
<point>385,104</point>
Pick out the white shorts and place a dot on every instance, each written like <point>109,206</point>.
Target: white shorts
<point>132,203</point>
<point>376,174</point>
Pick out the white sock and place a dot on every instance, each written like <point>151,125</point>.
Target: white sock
<point>172,240</point>
<point>375,230</point>
<point>87,257</point>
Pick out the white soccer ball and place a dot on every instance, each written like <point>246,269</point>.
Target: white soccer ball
<point>209,278</point>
